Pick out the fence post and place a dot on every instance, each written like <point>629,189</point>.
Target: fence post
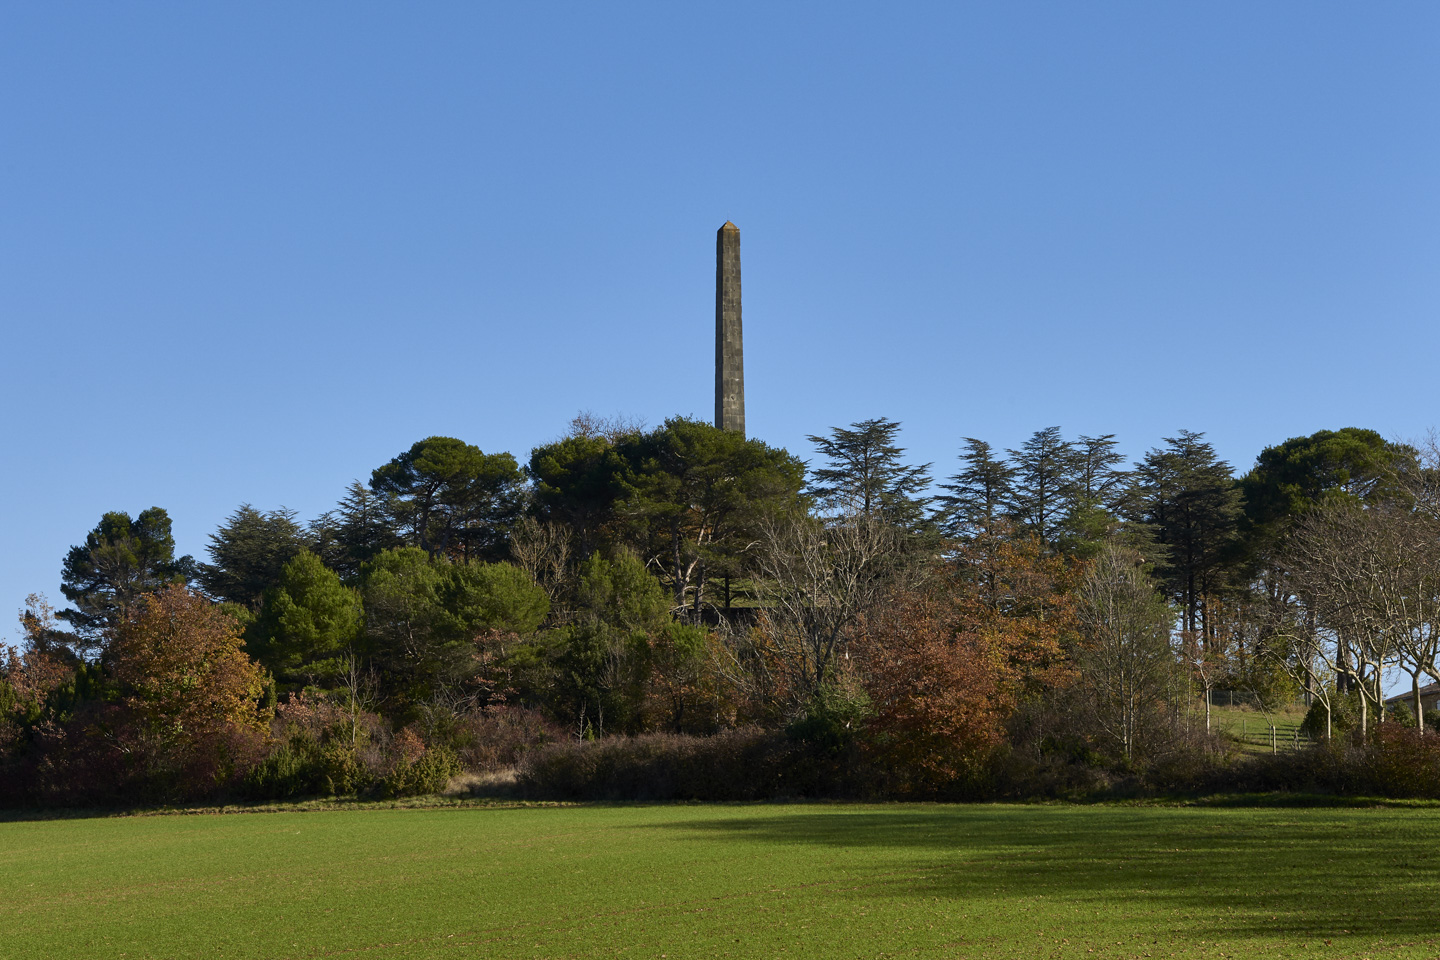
<point>1273,748</point>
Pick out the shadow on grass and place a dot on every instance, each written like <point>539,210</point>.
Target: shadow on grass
<point>1214,872</point>
<point>304,805</point>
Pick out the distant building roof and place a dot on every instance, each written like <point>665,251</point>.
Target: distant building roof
<point>1426,692</point>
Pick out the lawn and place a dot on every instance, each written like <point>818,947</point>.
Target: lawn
<point>1251,728</point>
<point>727,881</point>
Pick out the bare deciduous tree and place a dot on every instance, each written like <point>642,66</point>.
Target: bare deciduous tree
<point>543,550</point>
<point>1127,663</point>
<point>1371,577</point>
<point>818,579</point>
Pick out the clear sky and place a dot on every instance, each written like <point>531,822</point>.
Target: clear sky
<point>251,251</point>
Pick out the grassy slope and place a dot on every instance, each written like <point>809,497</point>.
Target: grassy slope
<point>1251,727</point>
<point>716,881</point>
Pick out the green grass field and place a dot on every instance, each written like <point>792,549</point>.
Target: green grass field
<point>727,881</point>
<point>1251,728</point>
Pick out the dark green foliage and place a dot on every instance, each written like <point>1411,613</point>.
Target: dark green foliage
<point>621,594</point>
<point>1344,715</point>
<point>687,497</point>
<point>1094,497</point>
<point>428,773</point>
<point>424,615</point>
<point>865,473</point>
<point>309,626</point>
<point>1094,479</point>
<point>1294,476</point>
<point>832,720</point>
<point>1043,483</point>
<point>301,766</point>
<point>412,638</point>
<point>575,484</point>
<point>595,667</point>
<point>1187,496</point>
<point>979,494</point>
<point>693,498</point>
<point>452,498</point>
<point>360,527</point>
<point>493,596</point>
<point>248,552</point>
<point>120,560</point>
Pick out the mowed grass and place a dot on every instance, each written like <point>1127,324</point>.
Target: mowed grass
<point>1252,727</point>
<point>727,881</point>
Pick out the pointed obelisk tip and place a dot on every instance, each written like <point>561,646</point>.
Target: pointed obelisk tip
<point>729,226</point>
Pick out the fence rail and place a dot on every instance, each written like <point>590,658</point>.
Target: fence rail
<point>1276,737</point>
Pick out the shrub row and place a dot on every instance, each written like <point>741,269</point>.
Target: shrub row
<point>746,764</point>
<point>1395,762</point>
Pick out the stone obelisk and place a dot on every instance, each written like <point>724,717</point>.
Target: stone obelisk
<point>729,356</point>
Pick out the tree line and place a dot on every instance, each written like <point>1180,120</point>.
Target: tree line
<point>1032,613</point>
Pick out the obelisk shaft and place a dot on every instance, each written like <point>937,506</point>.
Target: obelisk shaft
<point>729,354</point>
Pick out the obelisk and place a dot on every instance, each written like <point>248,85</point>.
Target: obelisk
<point>729,354</point>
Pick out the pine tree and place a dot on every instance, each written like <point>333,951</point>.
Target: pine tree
<point>979,493</point>
<point>1188,497</point>
<point>360,527</point>
<point>455,499</point>
<point>121,560</point>
<point>308,624</point>
<point>1092,498</point>
<point>865,474</point>
<point>248,552</point>
<point>1045,467</point>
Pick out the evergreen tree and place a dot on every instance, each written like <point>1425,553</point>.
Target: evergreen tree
<point>1187,496</point>
<point>692,498</point>
<point>493,597</point>
<point>1291,478</point>
<point>865,474</point>
<point>309,624</point>
<point>1095,480</point>
<point>598,661</point>
<point>1045,467</point>
<point>979,493</point>
<point>248,552</point>
<point>359,528</point>
<point>574,482</point>
<point>1092,499</point>
<point>454,499</point>
<point>121,560</point>
<point>423,615</point>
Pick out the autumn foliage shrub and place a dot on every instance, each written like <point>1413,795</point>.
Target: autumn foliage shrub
<point>745,764</point>
<point>415,768</point>
<point>945,665</point>
<point>494,739</point>
<point>1402,762</point>
<point>1390,761</point>
<point>321,747</point>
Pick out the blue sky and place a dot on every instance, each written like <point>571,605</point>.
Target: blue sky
<point>249,252</point>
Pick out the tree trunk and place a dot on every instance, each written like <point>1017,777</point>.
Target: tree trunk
<point>1419,708</point>
<point>679,566</point>
<point>699,590</point>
